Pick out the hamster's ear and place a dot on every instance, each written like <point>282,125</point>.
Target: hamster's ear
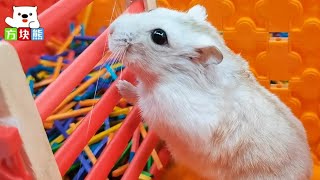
<point>35,7</point>
<point>14,7</point>
<point>209,54</point>
<point>198,12</point>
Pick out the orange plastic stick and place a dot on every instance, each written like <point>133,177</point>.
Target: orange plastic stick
<point>43,83</point>
<point>118,172</point>
<point>67,107</point>
<point>56,41</point>
<point>164,156</point>
<point>110,138</point>
<point>88,102</point>
<point>69,114</point>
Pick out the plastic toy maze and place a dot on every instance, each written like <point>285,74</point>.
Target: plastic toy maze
<point>91,132</point>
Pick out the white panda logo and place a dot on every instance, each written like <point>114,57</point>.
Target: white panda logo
<point>24,16</point>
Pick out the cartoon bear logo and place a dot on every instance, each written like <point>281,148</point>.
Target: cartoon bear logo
<point>24,16</point>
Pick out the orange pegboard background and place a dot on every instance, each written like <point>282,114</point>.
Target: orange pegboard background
<point>246,26</point>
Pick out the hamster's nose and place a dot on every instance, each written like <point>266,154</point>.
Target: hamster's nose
<point>24,15</point>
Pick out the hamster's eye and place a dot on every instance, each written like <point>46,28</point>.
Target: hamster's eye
<point>19,14</point>
<point>30,14</point>
<point>159,36</point>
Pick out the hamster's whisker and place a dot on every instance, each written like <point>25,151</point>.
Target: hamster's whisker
<point>119,9</point>
<point>104,62</point>
<point>121,61</point>
<point>115,57</point>
<point>113,11</point>
<point>106,59</point>
<point>97,84</point>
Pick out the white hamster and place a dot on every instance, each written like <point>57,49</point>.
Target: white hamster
<point>203,101</point>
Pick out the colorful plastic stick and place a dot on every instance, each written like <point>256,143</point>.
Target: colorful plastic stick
<point>153,153</point>
<point>164,156</point>
<point>135,143</point>
<point>139,160</point>
<point>111,154</point>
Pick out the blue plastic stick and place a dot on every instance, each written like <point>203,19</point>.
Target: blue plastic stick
<point>81,158</point>
<point>53,59</point>
<point>70,120</point>
<point>85,38</point>
<point>72,26</point>
<point>107,124</point>
<point>112,73</point>
<point>82,33</point>
<point>60,128</point>
<point>96,151</point>
<point>89,92</point>
<point>31,84</point>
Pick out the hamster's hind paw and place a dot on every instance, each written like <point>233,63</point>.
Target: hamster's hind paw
<point>127,91</point>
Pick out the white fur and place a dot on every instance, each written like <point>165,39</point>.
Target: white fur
<point>198,12</point>
<point>216,119</point>
<point>17,19</point>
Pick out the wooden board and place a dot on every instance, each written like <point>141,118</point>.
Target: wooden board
<point>18,109</point>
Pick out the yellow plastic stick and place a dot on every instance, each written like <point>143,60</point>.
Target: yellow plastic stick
<point>42,74</point>
<point>87,15</point>
<point>81,88</point>
<point>120,112</point>
<point>60,138</point>
<point>144,177</point>
<point>87,149</point>
<point>103,134</point>
<point>90,154</point>
<point>69,39</point>
<point>67,107</point>
<point>49,63</point>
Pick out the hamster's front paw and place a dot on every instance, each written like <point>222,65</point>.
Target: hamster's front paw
<point>127,91</point>
<point>34,24</point>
